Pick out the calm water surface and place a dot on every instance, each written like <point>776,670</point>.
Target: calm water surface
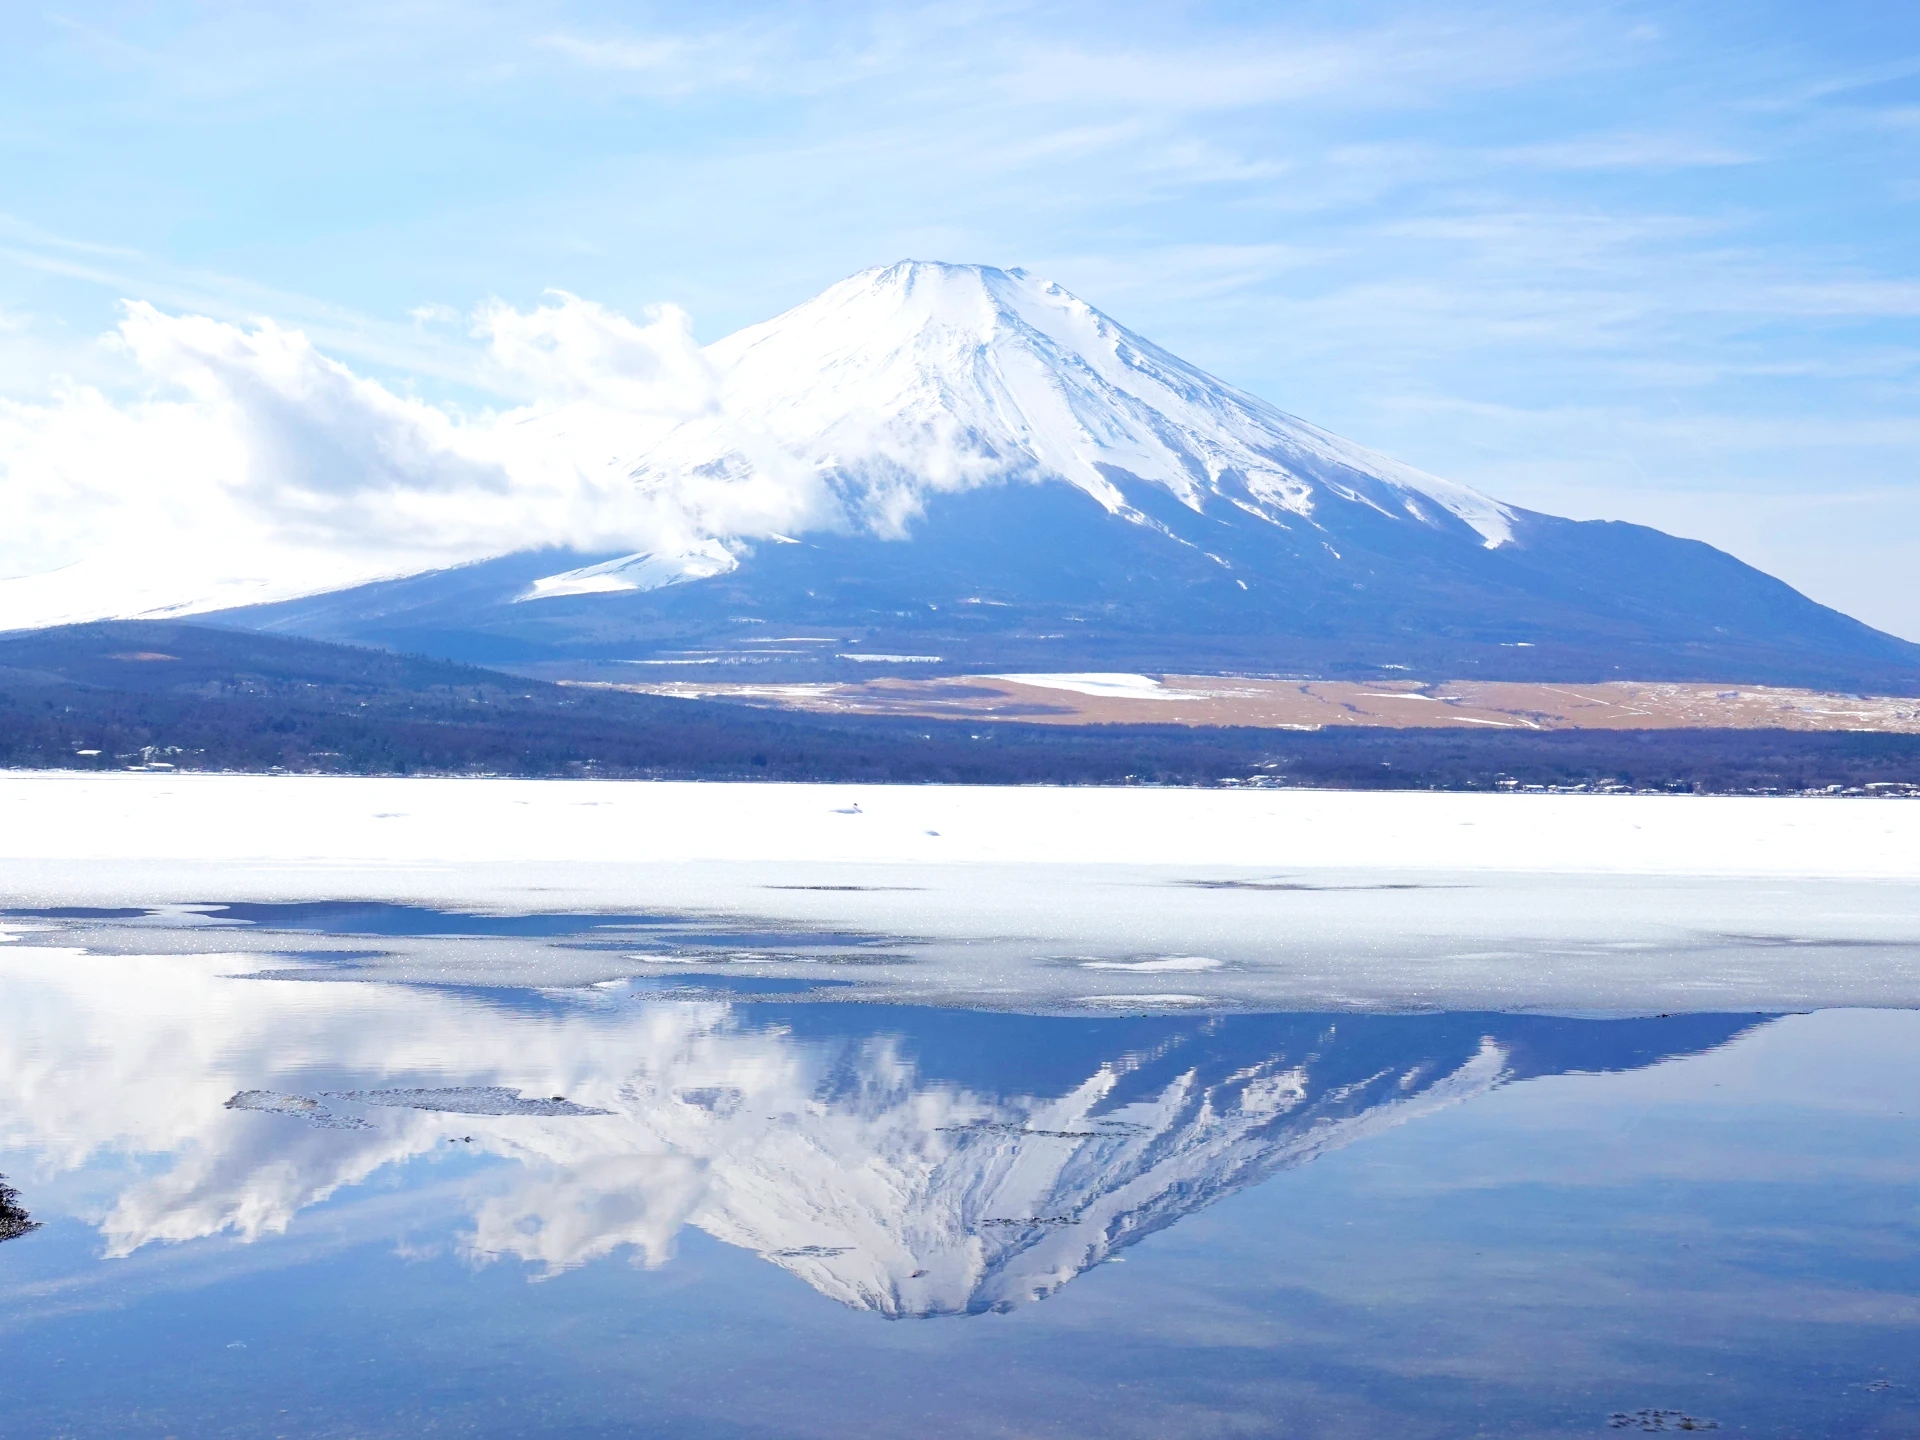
<point>732,1206</point>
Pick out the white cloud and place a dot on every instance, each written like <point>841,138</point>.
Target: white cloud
<point>579,350</point>
<point>618,53</point>
<point>1625,152</point>
<point>254,467</point>
<point>119,270</point>
<point>670,65</point>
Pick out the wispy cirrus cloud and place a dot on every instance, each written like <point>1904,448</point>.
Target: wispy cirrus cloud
<point>671,64</point>
<point>128,271</point>
<point>1625,151</point>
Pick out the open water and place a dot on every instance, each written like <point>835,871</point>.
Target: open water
<point>255,1193</point>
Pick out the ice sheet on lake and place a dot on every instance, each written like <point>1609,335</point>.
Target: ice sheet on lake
<point>405,823</point>
<point>1001,898</point>
<point>301,1107</point>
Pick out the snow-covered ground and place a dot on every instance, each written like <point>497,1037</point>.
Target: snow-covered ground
<point>1043,898</point>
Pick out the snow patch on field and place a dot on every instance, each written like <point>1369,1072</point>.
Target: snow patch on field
<point>1116,687</point>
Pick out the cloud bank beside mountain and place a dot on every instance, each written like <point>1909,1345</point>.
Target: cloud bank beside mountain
<point>255,468</point>
<point>251,466</point>
<point>1188,516</point>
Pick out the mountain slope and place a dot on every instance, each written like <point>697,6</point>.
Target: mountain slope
<point>982,471</point>
<point>926,378</point>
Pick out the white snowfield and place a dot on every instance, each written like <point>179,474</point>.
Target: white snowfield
<point>132,815</point>
<point>1027,897</point>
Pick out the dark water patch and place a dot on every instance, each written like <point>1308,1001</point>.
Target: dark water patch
<point>734,986</point>
<point>314,964</point>
<point>745,937</point>
<point>74,912</point>
<point>659,932</point>
<point>777,957</point>
<point>360,917</point>
<point>555,1001</point>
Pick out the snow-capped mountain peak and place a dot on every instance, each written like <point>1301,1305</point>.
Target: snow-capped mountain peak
<point>974,467</point>
<point>922,377</point>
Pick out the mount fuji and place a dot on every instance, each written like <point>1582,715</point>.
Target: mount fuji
<point>980,471</point>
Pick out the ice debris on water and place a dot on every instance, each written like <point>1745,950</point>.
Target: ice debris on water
<point>1109,1129</point>
<point>1658,1420</point>
<point>466,1100</point>
<point>1165,962</point>
<point>302,1107</point>
<point>721,1100</point>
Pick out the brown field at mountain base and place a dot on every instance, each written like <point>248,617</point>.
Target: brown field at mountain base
<point>1095,699</point>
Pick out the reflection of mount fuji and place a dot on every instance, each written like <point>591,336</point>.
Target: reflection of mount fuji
<point>907,1161</point>
<point>976,1196</point>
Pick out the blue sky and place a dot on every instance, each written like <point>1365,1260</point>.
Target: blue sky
<point>1644,261</point>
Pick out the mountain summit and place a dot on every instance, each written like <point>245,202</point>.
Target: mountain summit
<point>923,379</point>
<point>980,470</point>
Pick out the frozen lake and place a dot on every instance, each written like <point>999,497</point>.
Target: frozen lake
<point>1035,898</point>
<point>389,1107</point>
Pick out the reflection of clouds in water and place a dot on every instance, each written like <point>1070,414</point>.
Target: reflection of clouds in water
<point>250,1176</point>
<point>834,1157</point>
<point>138,1055</point>
<point>560,1216</point>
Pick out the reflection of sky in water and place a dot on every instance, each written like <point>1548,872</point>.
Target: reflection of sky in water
<point>1518,1223</point>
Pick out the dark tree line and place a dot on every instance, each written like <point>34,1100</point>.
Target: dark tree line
<point>107,697</point>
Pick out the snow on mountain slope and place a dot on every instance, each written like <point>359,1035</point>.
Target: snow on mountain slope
<point>922,378</point>
<point>263,470</point>
<point>650,571</point>
<point>947,461</point>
